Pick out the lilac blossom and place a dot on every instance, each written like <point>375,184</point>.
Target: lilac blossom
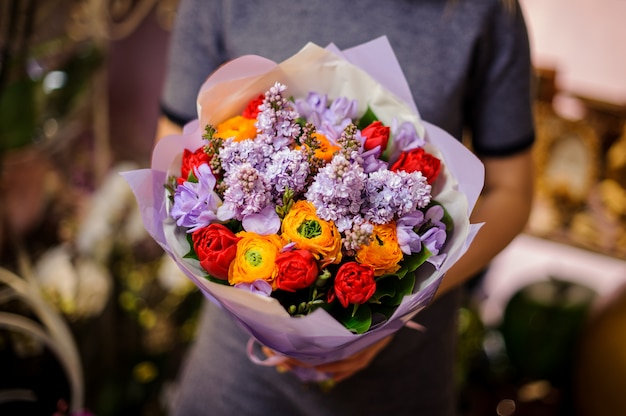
<point>276,120</point>
<point>254,152</point>
<point>196,203</point>
<point>336,191</point>
<point>358,235</point>
<point>247,190</point>
<point>391,194</point>
<point>288,169</point>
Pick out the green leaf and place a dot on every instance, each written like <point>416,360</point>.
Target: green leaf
<point>384,310</point>
<point>368,118</point>
<point>192,177</point>
<point>391,289</point>
<point>358,320</point>
<point>415,260</point>
<point>384,288</point>
<point>192,253</point>
<point>216,280</point>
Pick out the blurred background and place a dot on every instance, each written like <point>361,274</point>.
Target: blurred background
<point>95,320</point>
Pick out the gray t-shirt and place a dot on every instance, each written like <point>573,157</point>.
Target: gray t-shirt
<point>468,65</point>
<point>466,61</point>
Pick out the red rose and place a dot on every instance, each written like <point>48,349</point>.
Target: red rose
<point>252,110</point>
<point>192,160</point>
<point>354,283</point>
<point>297,269</point>
<point>418,160</point>
<point>216,247</point>
<point>376,134</point>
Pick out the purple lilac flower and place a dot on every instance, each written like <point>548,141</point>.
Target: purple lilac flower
<point>359,235</point>
<point>392,194</point>
<point>336,191</point>
<point>254,152</point>
<point>247,190</point>
<point>288,169</point>
<point>276,121</point>
<point>196,203</point>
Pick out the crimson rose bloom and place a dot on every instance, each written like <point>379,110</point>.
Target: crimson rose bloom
<point>376,134</point>
<point>297,269</point>
<point>216,247</point>
<point>354,283</point>
<point>418,160</point>
<point>192,160</point>
<point>252,110</point>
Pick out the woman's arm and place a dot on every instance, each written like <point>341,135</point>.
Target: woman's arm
<point>504,207</point>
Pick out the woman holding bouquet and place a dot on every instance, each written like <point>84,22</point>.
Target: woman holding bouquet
<point>467,63</point>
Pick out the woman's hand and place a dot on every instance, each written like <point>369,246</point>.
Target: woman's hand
<point>342,369</point>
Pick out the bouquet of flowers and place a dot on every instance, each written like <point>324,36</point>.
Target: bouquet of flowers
<point>310,201</point>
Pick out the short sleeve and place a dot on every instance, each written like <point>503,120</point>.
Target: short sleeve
<point>499,110</point>
<point>195,50</point>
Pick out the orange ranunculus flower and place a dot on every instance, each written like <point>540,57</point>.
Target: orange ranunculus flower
<point>255,259</point>
<point>327,150</point>
<point>239,127</point>
<point>303,227</point>
<point>383,253</point>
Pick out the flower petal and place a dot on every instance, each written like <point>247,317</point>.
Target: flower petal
<point>265,222</point>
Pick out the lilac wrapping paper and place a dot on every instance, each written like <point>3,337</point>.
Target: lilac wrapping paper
<point>369,73</point>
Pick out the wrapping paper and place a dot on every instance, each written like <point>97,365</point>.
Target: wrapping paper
<point>368,73</point>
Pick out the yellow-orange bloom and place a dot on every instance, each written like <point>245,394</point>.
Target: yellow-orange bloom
<point>255,259</point>
<point>303,227</point>
<point>383,253</point>
<point>327,150</point>
<point>239,127</point>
